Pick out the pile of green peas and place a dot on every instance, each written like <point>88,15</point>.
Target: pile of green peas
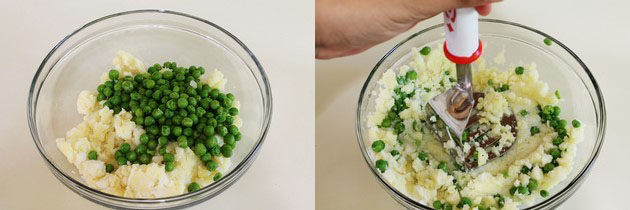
<point>171,104</point>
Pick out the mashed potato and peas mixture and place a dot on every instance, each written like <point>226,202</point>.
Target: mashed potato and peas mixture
<point>156,132</point>
<point>530,159</point>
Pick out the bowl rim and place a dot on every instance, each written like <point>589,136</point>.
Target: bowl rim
<point>226,181</point>
<point>555,199</point>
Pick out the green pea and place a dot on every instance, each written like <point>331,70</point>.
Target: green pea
<point>534,130</point>
<point>217,176</point>
<point>127,86</point>
<point>500,200</point>
<point>169,113</point>
<point>227,103</point>
<point>177,131</point>
<point>100,88</point>
<point>576,123</point>
<point>447,206</point>
<point>165,131</point>
<point>153,130</point>
<point>532,185</point>
<point>101,97</point>
<point>442,166</point>
<point>437,205</point>
<point>125,99</point>
<point>233,111</point>
<point>150,84</point>
<point>115,100</point>
<point>163,140</point>
<point>113,74</point>
<point>183,113</point>
<point>556,111</point>
<point>211,165</point>
<point>169,166</point>
<point>121,161</point>
<point>200,149</point>
<point>423,156</point>
<point>519,70</point>
<point>92,155</point>
<point>125,147</point>
<point>233,129</point>
<point>548,167</point>
<point>152,144</point>
<point>524,112</point>
<point>150,152</point>
<point>548,41</point>
<point>187,122</point>
<point>214,104</point>
<point>214,93</point>
<point>557,141</point>
<point>544,193</point>
<point>145,159</point>
<point>378,146</point>
<point>148,121</point>
<point>215,150</point>
<point>523,190</point>
<point>466,201</point>
<point>180,77</point>
<point>411,75</point>
<point>386,123</point>
<point>141,148</point>
<point>211,142</point>
<point>171,104</point>
<point>108,92</point>
<point>212,122</point>
<point>118,154</point>
<point>157,113</point>
<point>221,130</point>
<point>162,150</point>
<point>156,75</point>
<point>109,168</point>
<point>157,95</point>
<point>525,170</point>
<point>226,150</point>
<point>381,165</point>
<point>555,152</point>
<point>513,190</point>
<point>192,187</point>
<point>229,139</point>
<point>187,132</point>
<point>394,153</point>
<point>208,131</point>
<point>562,123</point>
<point>169,157</point>
<point>221,118</point>
<point>192,101</point>
<point>182,103</point>
<point>425,51</point>
<point>182,141</point>
<point>206,157</point>
<point>131,156</point>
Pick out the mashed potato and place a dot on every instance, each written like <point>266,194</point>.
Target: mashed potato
<point>104,132</point>
<point>419,166</point>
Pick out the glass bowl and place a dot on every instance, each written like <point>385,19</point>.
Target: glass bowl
<point>557,65</point>
<point>154,36</point>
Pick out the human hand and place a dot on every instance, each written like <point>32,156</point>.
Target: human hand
<point>347,27</point>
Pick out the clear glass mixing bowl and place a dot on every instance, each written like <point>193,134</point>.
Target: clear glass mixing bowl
<point>154,36</point>
<point>557,65</point>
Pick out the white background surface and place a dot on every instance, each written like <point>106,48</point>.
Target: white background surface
<point>597,31</point>
<point>280,33</point>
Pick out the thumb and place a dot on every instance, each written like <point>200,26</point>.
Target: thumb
<point>445,5</point>
<point>424,9</point>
